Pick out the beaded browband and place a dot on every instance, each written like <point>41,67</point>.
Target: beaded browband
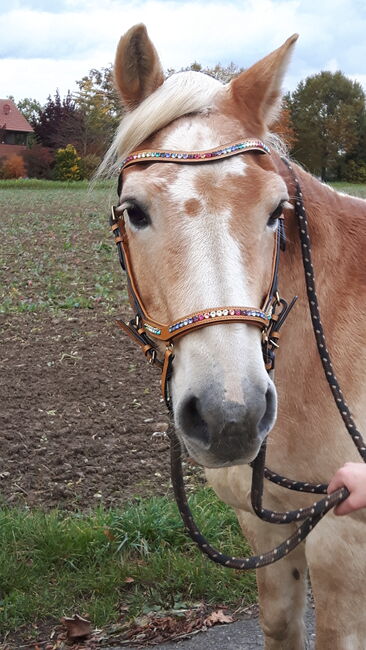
<point>143,328</point>
<point>160,155</point>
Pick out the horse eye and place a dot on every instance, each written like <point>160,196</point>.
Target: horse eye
<point>275,214</point>
<point>136,216</point>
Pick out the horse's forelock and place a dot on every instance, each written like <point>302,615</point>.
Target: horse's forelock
<point>181,94</point>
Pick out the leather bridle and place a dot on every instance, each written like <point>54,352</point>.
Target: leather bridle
<point>149,334</point>
<point>148,331</point>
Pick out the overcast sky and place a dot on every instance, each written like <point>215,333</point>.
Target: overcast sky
<point>46,44</point>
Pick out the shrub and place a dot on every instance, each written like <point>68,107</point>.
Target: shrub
<point>88,165</point>
<point>67,164</point>
<point>39,161</point>
<point>13,167</point>
<point>355,172</point>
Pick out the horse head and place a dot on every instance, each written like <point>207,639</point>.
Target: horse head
<point>202,236</point>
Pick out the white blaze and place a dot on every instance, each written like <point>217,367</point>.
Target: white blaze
<point>213,274</point>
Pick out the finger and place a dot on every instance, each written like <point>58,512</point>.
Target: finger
<point>336,482</point>
<point>344,508</point>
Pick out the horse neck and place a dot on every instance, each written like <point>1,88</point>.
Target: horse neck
<point>337,228</point>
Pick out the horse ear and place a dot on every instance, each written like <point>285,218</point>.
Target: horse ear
<point>257,91</point>
<point>137,68</point>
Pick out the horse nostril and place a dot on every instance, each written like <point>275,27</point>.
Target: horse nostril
<point>266,422</point>
<point>192,421</point>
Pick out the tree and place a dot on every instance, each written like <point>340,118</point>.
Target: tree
<point>220,72</point>
<point>100,106</point>
<point>31,109</point>
<point>327,111</point>
<point>284,128</point>
<point>60,122</point>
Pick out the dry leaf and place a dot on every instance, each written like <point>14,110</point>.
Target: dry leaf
<point>109,534</point>
<point>77,627</point>
<point>217,617</point>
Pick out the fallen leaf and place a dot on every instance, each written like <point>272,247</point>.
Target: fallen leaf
<point>217,617</point>
<point>76,627</point>
<point>109,534</point>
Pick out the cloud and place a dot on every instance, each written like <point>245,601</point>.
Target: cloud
<point>38,78</point>
<point>207,29</point>
<point>85,32</point>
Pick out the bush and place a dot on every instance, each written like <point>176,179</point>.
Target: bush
<point>39,161</point>
<point>13,167</point>
<point>355,172</point>
<point>88,165</point>
<point>67,164</point>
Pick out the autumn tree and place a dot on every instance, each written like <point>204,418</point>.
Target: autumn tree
<point>284,128</point>
<point>327,111</point>
<point>99,104</point>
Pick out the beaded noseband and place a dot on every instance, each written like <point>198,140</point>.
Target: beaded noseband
<point>147,332</point>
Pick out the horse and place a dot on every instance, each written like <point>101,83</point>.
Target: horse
<point>201,236</point>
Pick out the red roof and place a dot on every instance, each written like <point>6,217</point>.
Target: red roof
<point>11,118</point>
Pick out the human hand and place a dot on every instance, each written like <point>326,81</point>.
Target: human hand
<point>353,477</point>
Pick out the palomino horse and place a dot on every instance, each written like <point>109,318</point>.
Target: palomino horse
<point>201,236</point>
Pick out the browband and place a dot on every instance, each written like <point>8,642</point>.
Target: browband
<point>161,155</point>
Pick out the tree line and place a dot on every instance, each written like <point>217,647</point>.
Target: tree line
<point>322,122</point>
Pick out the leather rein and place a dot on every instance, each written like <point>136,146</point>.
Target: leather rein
<point>150,335</point>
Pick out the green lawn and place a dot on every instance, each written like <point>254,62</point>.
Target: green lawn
<point>107,562</point>
<point>355,189</point>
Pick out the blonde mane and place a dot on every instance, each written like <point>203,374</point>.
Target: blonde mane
<point>181,94</point>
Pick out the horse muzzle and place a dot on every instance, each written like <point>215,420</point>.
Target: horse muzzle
<point>218,432</point>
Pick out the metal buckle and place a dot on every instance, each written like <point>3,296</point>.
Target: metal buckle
<point>114,218</point>
<point>151,356</point>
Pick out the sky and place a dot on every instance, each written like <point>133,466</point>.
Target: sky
<point>47,45</point>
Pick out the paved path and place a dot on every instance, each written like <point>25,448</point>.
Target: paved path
<point>242,635</point>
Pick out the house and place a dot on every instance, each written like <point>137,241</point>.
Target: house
<point>14,129</point>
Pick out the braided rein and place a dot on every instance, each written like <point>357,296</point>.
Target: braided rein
<point>314,513</point>
<point>143,327</point>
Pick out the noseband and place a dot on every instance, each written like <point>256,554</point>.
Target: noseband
<point>149,333</point>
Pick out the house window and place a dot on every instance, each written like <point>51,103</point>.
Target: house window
<point>15,137</point>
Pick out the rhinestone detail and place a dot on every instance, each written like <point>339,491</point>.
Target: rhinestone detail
<point>217,313</point>
<point>197,157</point>
<point>153,330</point>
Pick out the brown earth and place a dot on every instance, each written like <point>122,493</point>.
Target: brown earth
<point>82,421</point>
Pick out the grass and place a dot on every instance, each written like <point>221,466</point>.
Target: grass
<point>54,564</point>
<point>355,189</point>
<point>40,184</point>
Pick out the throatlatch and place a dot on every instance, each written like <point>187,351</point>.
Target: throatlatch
<point>150,335</point>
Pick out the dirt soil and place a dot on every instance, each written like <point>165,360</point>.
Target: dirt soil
<point>82,421</point>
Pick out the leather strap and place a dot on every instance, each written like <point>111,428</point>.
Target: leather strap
<point>189,157</point>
